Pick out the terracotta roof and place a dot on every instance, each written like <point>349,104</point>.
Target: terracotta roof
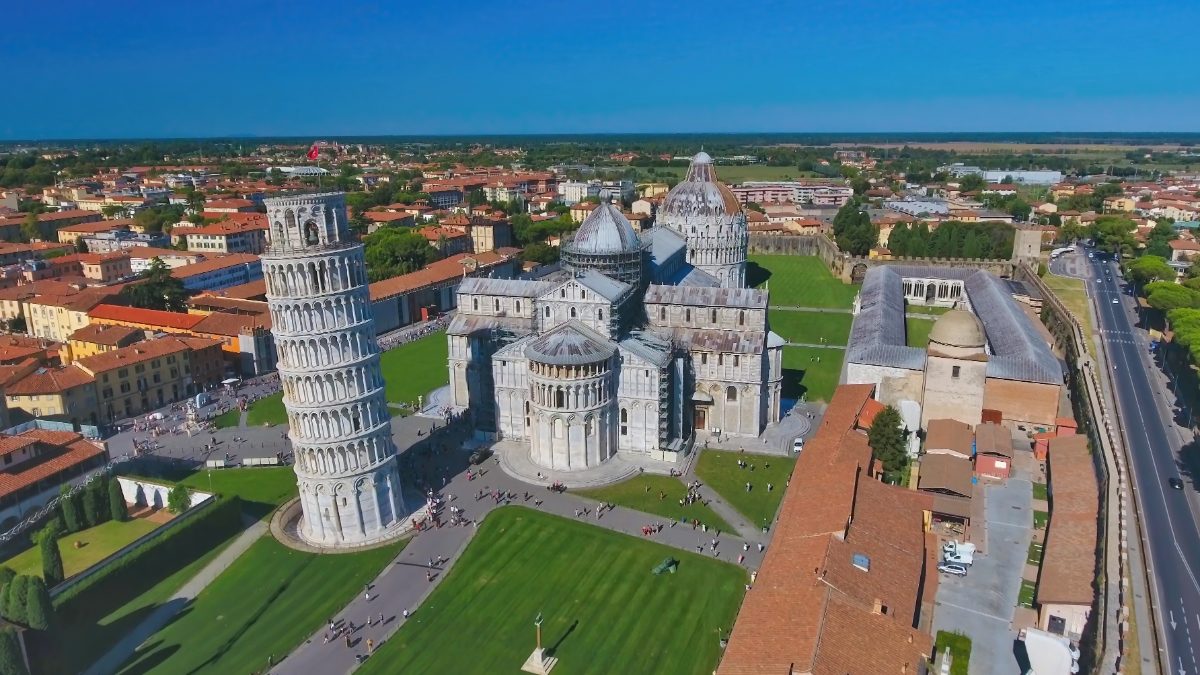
<point>142,351</point>
<point>50,381</point>
<point>97,227</point>
<point>231,325</point>
<point>150,317</point>
<point>254,290</point>
<point>946,434</point>
<point>105,334</point>
<point>226,228</point>
<point>218,263</point>
<point>228,204</point>
<point>1069,563</point>
<point>942,472</point>
<point>63,457</point>
<point>437,272</point>
<point>993,439</point>
<point>870,409</point>
<point>152,252</point>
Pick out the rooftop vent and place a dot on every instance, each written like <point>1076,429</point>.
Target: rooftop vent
<point>861,561</point>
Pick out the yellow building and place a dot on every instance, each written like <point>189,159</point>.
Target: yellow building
<point>134,380</point>
<point>651,190</point>
<point>66,394</point>
<point>1119,204</point>
<point>56,317</point>
<point>98,338</point>
<point>106,267</point>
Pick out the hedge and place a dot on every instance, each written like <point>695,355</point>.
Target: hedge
<point>153,561</point>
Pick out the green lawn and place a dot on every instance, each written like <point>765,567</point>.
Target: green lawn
<point>921,309</point>
<point>803,374</point>
<point>263,605</point>
<point>1073,294</point>
<point>605,611</point>
<point>1034,557</point>
<point>811,327</point>
<point>261,489</point>
<point>227,419</point>
<point>1040,491</point>
<point>99,542</point>
<point>416,368</point>
<point>960,650</point>
<point>799,281</point>
<point>1027,594</point>
<point>918,331</point>
<point>1040,518</point>
<point>642,493</point>
<point>719,470</point>
<point>267,410</point>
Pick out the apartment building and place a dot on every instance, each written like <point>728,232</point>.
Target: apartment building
<point>221,272</point>
<point>229,237</point>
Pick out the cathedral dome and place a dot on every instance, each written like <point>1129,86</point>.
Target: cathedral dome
<point>567,345</point>
<point>606,230</point>
<point>699,195</point>
<point>958,328</point>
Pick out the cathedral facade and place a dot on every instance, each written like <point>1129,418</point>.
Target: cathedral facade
<point>636,344</point>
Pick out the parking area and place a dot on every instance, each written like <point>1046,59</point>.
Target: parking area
<point>982,604</point>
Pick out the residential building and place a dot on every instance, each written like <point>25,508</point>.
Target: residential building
<point>56,317</point>
<point>151,320</point>
<point>229,237</point>
<point>61,393</point>
<point>119,240</point>
<point>98,338</point>
<point>229,206</point>
<point>36,462</point>
<point>141,257</point>
<point>105,267</point>
<point>69,234</point>
<point>134,380</point>
<point>993,451</point>
<point>219,272</point>
<point>48,223</point>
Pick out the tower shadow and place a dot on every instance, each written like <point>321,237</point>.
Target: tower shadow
<point>554,648</point>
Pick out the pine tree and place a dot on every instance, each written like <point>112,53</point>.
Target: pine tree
<point>68,506</point>
<point>98,492</point>
<point>90,516</point>
<point>12,662</point>
<point>39,611</point>
<point>886,438</point>
<point>178,499</point>
<point>52,564</point>
<point>15,598</point>
<point>116,502</point>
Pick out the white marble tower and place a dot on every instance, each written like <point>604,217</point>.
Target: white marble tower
<point>324,331</point>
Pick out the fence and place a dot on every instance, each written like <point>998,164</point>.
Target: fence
<point>39,516</point>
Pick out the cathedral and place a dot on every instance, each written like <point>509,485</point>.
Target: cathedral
<point>636,344</point>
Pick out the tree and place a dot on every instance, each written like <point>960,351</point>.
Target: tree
<point>6,577</point>
<point>68,506</point>
<point>39,611</point>
<point>1158,242</point>
<point>853,230</point>
<point>540,253</point>
<point>52,564</point>
<point>1166,296</point>
<point>15,598</point>
<point>886,438</point>
<point>81,245</point>
<point>1020,210</point>
<point>30,229</point>
<point>91,515</point>
<point>116,501</point>
<point>391,252</point>
<point>1150,268</point>
<point>971,182</point>
<point>12,661</point>
<point>157,289</point>
<point>1115,233</point>
<point>178,499</point>
<point>112,210</point>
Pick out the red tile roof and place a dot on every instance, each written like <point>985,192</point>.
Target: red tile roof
<point>437,272</point>
<point>1069,563</point>
<point>61,457</point>
<point>218,263</point>
<point>150,317</point>
<point>49,381</point>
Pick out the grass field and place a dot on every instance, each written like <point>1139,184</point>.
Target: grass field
<point>264,604</point>
<point>642,493</point>
<point>1073,294</point>
<point>918,331</point>
<point>720,471</point>
<point>1036,550</point>
<point>227,419</point>
<point>811,327</point>
<point>1041,492</point>
<point>261,489</point>
<point>1040,519</point>
<point>415,369</point>
<point>267,410</point>
<point>919,309</point>
<point>960,650</point>
<point>1027,593</point>
<point>604,611</point>
<point>804,375</point>
<point>799,281</point>
<point>99,542</point>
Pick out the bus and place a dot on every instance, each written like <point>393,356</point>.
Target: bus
<point>1059,251</point>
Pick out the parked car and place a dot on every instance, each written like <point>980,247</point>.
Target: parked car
<point>956,547</point>
<point>951,568</point>
<point>797,445</point>
<point>1115,301</point>
<point>1175,483</point>
<point>966,558</point>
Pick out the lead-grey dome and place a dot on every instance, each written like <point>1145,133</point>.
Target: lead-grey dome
<point>567,345</point>
<point>699,195</point>
<point>606,230</point>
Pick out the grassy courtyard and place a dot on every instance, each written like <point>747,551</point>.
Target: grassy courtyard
<point>261,489</point>
<point>228,419</point>
<point>803,374</point>
<point>267,410</point>
<point>959,646</point>
<point>811,327</point>
<point>720,471</point>
<point>799,281</point>
<point>642,493</point>
<point>595,590</point>
<point>99,542</point>
<point>266,603</point>
<point>1073,294</point>
<point>918,331</point>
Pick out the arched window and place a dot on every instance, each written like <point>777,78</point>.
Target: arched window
<point>624,422</point>
<point>662,313</point>
<point>572,312</point>
<point>687,315</point>
<point>475,304</point>
<point>562,292</point>
<point>496,304</point>
<point>599,315</point>
<point>518,307</point>
<point>311,235</point>
<point>731,393</point>
<point>588,427</point>
<point>720,359</point>
<point>558,427</point>
<point>714,316</point>
<point>741,317</point>
<point>547,312</point>
<point>560,398</point>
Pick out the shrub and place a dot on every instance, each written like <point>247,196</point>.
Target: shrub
<point>52,564</point>
<point>6,577</point>
<point>11,660</point>
<point>68,507</point>
<point>178,499</point>
<point>116,501</point>
<point>98,493</point>
<point>14,600</point>
<point>91,516</point>
<point>39,611</point>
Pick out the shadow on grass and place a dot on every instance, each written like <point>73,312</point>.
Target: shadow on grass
<point>793,383</point>
<point>151,658</point>
<point>756,275</point>
<point>554,648</point>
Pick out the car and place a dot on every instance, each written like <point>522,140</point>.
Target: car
<point>1115,301</point>
<point>952,568</point>
<point>798,445</point>
<point>961,558</point>
<point>480,456</point>
<point>1097,279</point>
<point>1091,255</point>
<point>1175,483</point>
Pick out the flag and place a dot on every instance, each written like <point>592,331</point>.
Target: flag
<point>313,151</point>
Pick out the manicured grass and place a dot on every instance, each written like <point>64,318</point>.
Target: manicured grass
<point>1035,554</point>
<point>1028,591</point>
<point>918,331</point>
<point>1040,518</point>
<point>922,309</point>
<point>1040,492</point>
<point>642,493</point>
<point>1073,293</point>
<point>267,410</point>
<point>99,542</point>
<point>799,281</point>
<point>720,471</point>
<point>415,369</point>
<point>960,650</point>
<point>804,374</point>
<point>811,327</point>
<point>261,489</point>
<point>227,419</point>
<point>265,604</point>
<point>604,610</point>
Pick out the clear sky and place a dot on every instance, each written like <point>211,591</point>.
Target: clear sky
<point>85,69</point>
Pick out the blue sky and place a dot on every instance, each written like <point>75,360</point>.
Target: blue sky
<point>78,69</point>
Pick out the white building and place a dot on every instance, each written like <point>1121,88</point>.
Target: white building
<point>328,361</point>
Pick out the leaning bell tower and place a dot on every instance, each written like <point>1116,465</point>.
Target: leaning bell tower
<point>328,361</point>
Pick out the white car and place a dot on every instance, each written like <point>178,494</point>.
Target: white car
<point>1097,279</point>
<point>960,558</point>
<point>951,568</point>
<point>797,445</point>
<point>1115,301</point>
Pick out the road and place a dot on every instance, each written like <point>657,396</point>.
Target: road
<point>1154,442</point>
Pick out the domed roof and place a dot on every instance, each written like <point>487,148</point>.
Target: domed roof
<point>958,328</point>
<point>569,345</point>
<point>700,194</point>
<point>606,230</point>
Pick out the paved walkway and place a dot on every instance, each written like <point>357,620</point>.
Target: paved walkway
<point>121,651</point>
<point>404,584</point>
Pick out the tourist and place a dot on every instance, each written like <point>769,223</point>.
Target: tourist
<point>381,618</point>
<point>429,576</point>
<point>760,547</point>
<point>370,646</point>
<point>747,486</point>
<point>770,487</point>
<point>406,615</point>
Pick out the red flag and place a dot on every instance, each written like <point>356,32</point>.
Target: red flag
<point>313,151</point>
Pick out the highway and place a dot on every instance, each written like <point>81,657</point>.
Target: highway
<point>1154,442</point>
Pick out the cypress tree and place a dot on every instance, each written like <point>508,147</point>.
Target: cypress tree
<point>11,660</point>
<point>91,516</point>
<point>52,564</point>
<point>14,600</point>
<point>116,502</point>
<point>39,611</point>
<point>68,506</point>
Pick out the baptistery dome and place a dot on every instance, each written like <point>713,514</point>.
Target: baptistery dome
<point>707,213</point>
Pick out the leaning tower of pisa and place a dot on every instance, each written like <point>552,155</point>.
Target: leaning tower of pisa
<point>328,361</point>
